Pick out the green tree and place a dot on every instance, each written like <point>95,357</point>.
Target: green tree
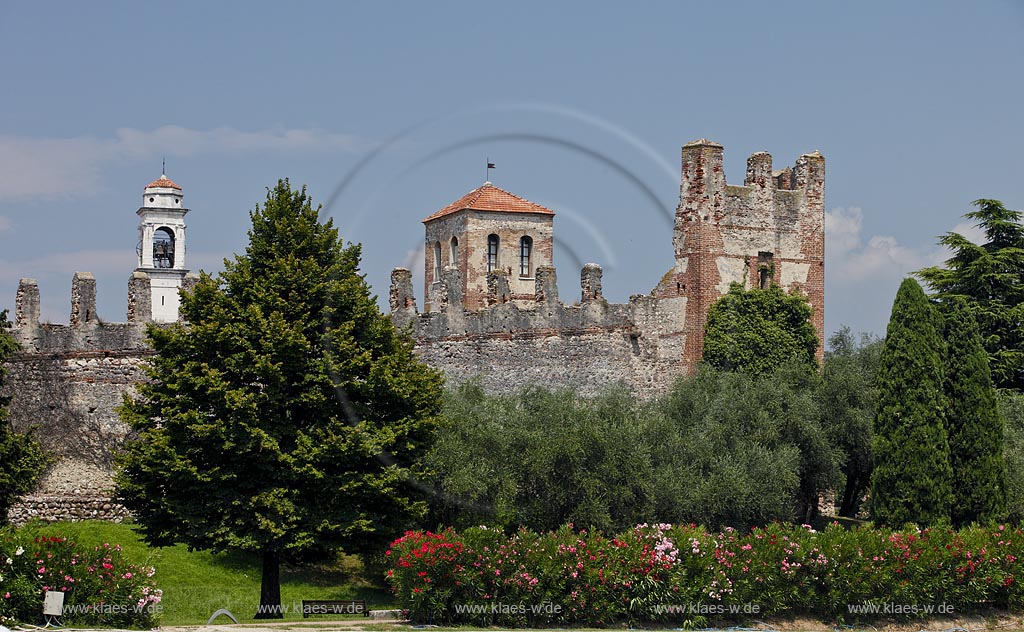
<point>288,417</point>
<point>22,460</point>
<point>1011,407</point>
<point>991,277</point>
<point>911,477</point>
<point>542,458</point>
<point>847,398</point>
<point>758,330</point>
<point>973,421</point>
<point>736,449</point>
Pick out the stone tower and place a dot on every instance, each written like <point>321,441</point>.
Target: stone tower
<point>486,247</point>
<point>771,230</point>
<point>161,248</point>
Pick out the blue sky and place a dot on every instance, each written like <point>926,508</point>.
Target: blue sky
<point>388,111</point>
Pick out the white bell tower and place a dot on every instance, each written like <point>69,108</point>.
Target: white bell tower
<point>161,246</point>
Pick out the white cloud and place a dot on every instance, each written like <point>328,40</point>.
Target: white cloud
<point>971,231</point>
<point>852,259</point>
<point>55,167</point>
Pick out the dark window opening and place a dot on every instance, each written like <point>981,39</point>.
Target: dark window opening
<point>437,261</point>
<point>455,251</point>
<point>525,254</point>
<point>765,269</point>
<point>163,248</point>
<point>492,253</point>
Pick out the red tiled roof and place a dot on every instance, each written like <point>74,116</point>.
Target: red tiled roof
<point>164,183</point>
<point>490,198</point>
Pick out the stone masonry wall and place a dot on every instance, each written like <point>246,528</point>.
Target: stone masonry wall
<point>67,382</point>
<point>586,346</point>
<point>65,508</point>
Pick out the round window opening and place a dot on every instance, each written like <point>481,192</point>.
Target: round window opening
<point>151,199</point>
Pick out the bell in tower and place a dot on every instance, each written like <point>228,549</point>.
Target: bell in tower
<point>161,248</point>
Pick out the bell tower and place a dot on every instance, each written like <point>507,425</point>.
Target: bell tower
<point>161,247</point>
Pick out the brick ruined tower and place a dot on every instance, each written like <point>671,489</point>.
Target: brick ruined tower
<point>770,230</point>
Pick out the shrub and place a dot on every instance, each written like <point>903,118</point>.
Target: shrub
<point>720,449</point>
<point>542,458</point>
<point>100,586</point>
<point>684,575</point>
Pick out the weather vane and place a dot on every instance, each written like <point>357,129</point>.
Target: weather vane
<point>490,165</point>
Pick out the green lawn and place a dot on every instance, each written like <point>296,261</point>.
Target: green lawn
<point>196,584</point>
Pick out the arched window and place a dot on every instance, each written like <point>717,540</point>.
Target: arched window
<point>525,252</point>
<point>455,251</point>
<point>492,253</point>
<point>437,261</point>
<point>163,248</point>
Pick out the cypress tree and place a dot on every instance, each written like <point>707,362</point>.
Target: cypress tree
<point>973,421</point>
<point>911,478</point>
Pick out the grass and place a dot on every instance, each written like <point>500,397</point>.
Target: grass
<point>198,583</point>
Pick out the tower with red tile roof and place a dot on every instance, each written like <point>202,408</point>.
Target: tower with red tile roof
<point>161,247</point>
<point>488,235</point>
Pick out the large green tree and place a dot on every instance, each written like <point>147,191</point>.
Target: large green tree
<point>288,417</point>
<point>22,460</point>
<point>973,420</point>
<point>911,480</point>
<point>990,276</point>
<point>759,330</point>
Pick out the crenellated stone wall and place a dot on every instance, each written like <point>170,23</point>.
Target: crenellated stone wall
<point>66,383</point>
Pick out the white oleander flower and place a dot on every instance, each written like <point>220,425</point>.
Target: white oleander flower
<point>19,551</point>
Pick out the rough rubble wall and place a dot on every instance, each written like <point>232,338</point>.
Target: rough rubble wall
<point>67,383</point>
<point>586,346</point>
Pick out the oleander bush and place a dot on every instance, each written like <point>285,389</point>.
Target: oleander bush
<point>101,587</point>
<point>686,575</point>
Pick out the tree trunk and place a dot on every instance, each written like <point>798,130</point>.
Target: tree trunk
<point>851,498</point>
<point>270,588</point>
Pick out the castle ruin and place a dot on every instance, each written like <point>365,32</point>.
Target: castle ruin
<point>491,308</point>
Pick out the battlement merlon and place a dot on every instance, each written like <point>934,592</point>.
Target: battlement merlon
<point>83,299</point>
<point>140,298</point>
<point>703,180</point>
<point>26,308</point>
<point>705,196</point>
